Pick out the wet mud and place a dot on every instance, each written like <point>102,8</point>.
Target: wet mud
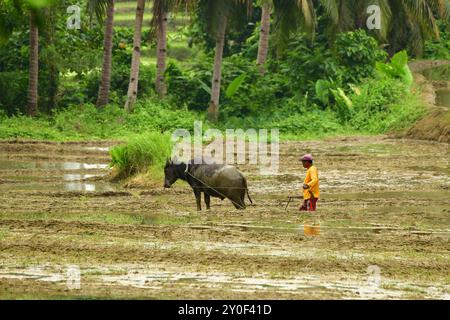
<point>381,229</point>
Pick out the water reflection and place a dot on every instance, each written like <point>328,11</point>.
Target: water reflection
<point>311,228</point>
<point>79,186</point>
<point>12,164</point>
<point>81,166</point>
<point>104,149</point>
<point>75,177</point>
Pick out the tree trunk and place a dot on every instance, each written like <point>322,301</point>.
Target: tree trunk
<point>263,47</point>
<point>213,109</point>
<point>103,92</point>
<point>51,59</point>
<point>161,55</point>
<point>136,59</point>
<point>33,68</point>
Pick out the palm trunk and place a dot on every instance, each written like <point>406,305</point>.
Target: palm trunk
<point>33,68</point>
<point>51,60</point>
<point>161,54</point>
<point>136,59</point>
<point>103,92</point>
<point>264,37</point>
<point>213,109</point>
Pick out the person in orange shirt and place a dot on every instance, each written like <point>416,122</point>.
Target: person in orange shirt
<point>311,190</point>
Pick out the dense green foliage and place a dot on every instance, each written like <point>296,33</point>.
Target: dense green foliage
<point>439,49</point>
<point>85,121</point>
<point>316,86</point>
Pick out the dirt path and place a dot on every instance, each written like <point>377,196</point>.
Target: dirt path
<point>384,211</point>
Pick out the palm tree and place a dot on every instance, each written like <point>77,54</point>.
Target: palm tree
<point>32,99</point>
<point>218,12</point>
<point>160,12</point>
<point>136,59</point>
<point>17,8</point>
<point>404,23</point>
<point>414,23</point>
<point>289,16</point>
<point>263,46</point>
<point>100,7</point>
<point>160,18</point>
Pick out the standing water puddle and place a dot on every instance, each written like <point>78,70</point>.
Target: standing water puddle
<point>441,73</point>
<point>357,286</point>
<point>443,97</point>
<point>30,175</point>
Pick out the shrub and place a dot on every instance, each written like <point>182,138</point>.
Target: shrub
<point>13,88</point>
<point>439,49</point>
<point>385,104</point>
<point>357,52</point>
<point>309,123</point>
<point>120,77</point>
<point>158,116</point>
<point>28,128</point>
<point>191,85</point>
<point>397,68</point>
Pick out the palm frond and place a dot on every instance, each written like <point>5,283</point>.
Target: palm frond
<point>98,8</point>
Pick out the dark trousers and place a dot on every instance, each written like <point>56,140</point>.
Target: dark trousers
<point>309,204</point>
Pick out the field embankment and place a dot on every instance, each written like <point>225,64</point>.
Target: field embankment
<point>433,78</point>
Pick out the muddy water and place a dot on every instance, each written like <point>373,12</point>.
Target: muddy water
<point>381,230</point>
<point>440,77</point>
<point>443,97</point>
<point>41,171</point>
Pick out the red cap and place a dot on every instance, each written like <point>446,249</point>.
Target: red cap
<point>307,157</point>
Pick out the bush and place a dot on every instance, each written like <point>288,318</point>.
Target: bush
<point>28,128</point>
<point>140,152</point>
<point>190,86</point>
<point>381,105</point>
<point>13,88</point>
<point>309,123</point>
<point>112,121</point>
<point>153,115</point>
<point>357,53</point>
<point>120,77</point>
<point>439,49</point>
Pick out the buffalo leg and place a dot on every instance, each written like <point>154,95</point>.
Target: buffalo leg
<point>198,198</point>
<point>243,199</point>
<point>207,201</point>
<point>238,203</point>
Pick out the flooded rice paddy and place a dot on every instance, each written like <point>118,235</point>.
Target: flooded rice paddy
<point>381,230</point>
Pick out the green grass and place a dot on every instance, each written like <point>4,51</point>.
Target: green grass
<point>141,152</point>
<point>116,218</point>
<point>130,17</point>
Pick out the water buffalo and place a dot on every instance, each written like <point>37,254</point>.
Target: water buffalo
<point>214,180</point>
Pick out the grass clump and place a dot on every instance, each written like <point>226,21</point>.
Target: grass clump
<point>141,152</point>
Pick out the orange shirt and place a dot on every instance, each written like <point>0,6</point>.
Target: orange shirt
<point>312,180</point>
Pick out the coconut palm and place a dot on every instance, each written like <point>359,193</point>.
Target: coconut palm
<point>32,96</point>
<point>160,11</point>
<point>34,10</point>
<point>289,16</point>
<point>263,46</point>
<point>404,22</point>
<point>102,8</point>
<point>136,58</point>
<point>218,14</point>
